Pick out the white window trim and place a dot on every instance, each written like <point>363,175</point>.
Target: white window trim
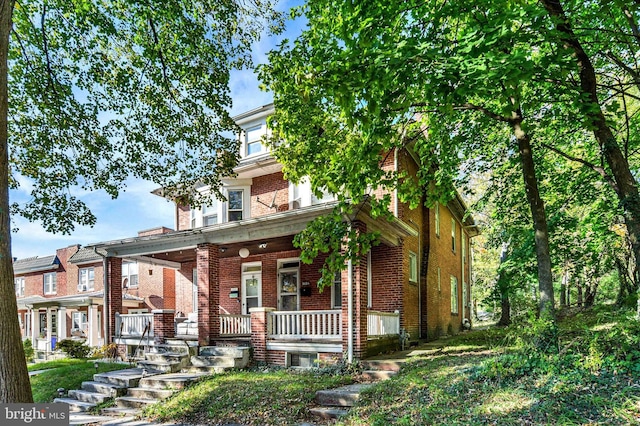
<point>82,325</point>
<point>333,291</point>
<point>129,274</point>
<point>197,215</point>
<point>53,285</point>
<point>244,273</point>
<point>89,285</point>
<point>413,267</point>
<point>262,129</point>
<point>19,286</point>
<point>281,262</point>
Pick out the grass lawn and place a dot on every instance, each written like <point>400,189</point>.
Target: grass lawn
<point>65,373</point>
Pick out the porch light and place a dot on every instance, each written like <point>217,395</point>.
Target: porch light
<point>262,245</point>
<point>244,252</point>
<point>96,365</point>
<point>222,249</point>
<point>60,392</point>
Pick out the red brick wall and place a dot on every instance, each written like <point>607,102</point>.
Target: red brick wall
<point>154,231</point>
<point>183,217</point>
<point>264,188</point>
<point>115,290</point>
<point>208,293</point>
<point>184,288</point>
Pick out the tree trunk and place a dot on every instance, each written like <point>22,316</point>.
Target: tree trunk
<point>14,378</point>
<point>538,214</point>
<point>626,185</point>
<point>579,297</point>
<point>563,288</point>
<point>503,288</point>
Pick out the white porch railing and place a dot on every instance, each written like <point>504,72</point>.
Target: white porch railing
<point>235,325</point>
<point>133,324</point>
<point>317,325</point>
<point>382,323</point>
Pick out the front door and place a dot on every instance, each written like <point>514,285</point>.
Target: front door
<point>288,286</point>
<point>251,286</point>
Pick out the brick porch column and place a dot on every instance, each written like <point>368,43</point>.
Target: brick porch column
<point>208,265</point>
<point>259,331</point>
<point>114,278</point>
<point>163,325</point>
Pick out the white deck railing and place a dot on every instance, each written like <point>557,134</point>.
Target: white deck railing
<point>382,323</point>
<point>133,324</point>
<point>317,325</point>
<point>235,325</point>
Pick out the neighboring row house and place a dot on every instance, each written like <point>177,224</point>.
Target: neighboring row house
<point>230,275</point>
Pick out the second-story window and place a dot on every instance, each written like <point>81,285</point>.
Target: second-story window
<point>210,213</point>
<point>129,274</point>
<point>235,204</point>
<point>254,140</point>
<point>50,283</point>
<point>19,286</point>
<point>86,279</point>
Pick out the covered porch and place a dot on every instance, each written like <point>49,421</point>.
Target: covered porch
<point>249,285</point>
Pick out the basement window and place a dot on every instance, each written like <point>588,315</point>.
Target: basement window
<point>302,360</point>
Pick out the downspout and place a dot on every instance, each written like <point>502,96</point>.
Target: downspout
<point>350,312</point>
<point>105,286</point>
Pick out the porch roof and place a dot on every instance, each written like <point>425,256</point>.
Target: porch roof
<point>171,248</point>
<point>74,300</point>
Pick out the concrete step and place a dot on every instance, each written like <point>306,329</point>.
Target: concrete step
<point>328,413</point>
<point>175,346</point>
<point>217,361</point>
<point>160,366</point>
<point>125,420</point>
<point>234,352</point>
<point>205,370</point>
<point>76,406</point>
<point>383,364</point>
<point>104,388</point>
<point>344,396</point>
<point>131,402</point>
<point>150,393</point>
<point>120,412</point>
<point>128,378</point>
<point>86,396</point>
<point>169,380</point>
<point>375,375</point>
<point>179,357</point>
<point>87,419</point>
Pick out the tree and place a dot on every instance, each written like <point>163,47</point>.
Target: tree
<point>93,92</point>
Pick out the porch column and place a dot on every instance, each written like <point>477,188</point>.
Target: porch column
<point>260,331</point>
<point>49,328</point>
<point>114,288</point>
<point>62,323</point>
<point>92,338</point>
<point>34,326</point>
<point>208,265</point>
<point>163,325</point>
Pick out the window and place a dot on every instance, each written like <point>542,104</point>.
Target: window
<point>454,295</point>
<point>453,234</point>
<point>302,360</point>
<point>86,279</point>
<point>79,321</point>
<point>336,291</point>
<point>19,286</point>
<point>465,301</point>
<point>210,213</point>
<point>129,274</point>
<point>193,217</point>
<point>413,267</point>
<point>437,219</point>
<point>253,139</point>
<point>50,283</point>
<point>235,204</point>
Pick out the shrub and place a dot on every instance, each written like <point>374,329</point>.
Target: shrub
<point>109,351</point>
<point>29,352</point>
<point>73,348</point>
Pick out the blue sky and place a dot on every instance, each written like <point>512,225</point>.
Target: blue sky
<point>136,209</point>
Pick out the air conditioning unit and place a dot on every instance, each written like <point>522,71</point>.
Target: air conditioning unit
<point>82,287</point>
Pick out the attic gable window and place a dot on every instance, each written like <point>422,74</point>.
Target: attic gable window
<point>253,140</point>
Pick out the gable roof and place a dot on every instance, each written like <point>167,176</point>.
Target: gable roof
<point>35,264</point>
<point>87,255</point>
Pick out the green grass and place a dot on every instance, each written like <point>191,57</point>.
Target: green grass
<point>68,374</point>
<point>249,397</point>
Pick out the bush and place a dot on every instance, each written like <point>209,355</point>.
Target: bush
<point>29,352</point>
<point>73,348</point>
<point>109,351</point>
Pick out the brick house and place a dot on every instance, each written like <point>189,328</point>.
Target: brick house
<point>230,275</point>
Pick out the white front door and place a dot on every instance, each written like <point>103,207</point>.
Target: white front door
<point>251,286</point>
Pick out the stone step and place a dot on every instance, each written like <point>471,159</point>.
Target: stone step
<point>169,380</point>
<point>234,352</point>
<point>150,393</point>
<point>128,378</point>
<point>104,388</point>
<point>174,346</point>
<point>86,396</point>
<point>131,402</point>
<point>160,366</point>
<point>205,370</point>
<point>328,413</point>
<point>217,361</point>
<point>383,364</point>
<point>124,420</point>
<point>180,357</point>
<point>375,375</point>
<point>120,412</point>
<point>87,419</point>
<point>76,406</point>
<point>344,396</point>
